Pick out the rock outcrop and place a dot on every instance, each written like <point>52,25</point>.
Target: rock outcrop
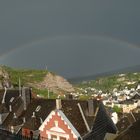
<point>53,82</point>
<point>4,78</point>
<point>56,84</point>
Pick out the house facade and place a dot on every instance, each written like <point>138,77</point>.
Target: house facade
<point>58,127</point>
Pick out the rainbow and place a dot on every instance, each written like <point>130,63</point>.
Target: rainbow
<point>54,38</point>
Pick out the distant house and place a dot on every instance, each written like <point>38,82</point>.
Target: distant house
<point>127,108</point>
<point>136,97</point>
<point>53,119</point>
<point>130,104</point>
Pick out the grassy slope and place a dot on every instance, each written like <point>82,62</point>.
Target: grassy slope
<point>111,82</point>
<point>26,76</point>
<point>104,83</point>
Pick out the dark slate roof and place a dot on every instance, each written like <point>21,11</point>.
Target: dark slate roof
<point>3,108</point>
<point>71,110</point>
<point>33,123</point>
<point>102,125</point>
<point>132,133</point>
<point>8,137</point>
<point>43,107</point>
<point>127,120</point>
<point>5,135</point>
<point>123,124</point>
<point>16,121</point>
<point>9,94</point>
<point>46,107</point>
<point>69,107</point>
<point>15,106</point>
<point>75,116</point>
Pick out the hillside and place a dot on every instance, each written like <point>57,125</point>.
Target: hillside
<point>131,69</point>
<point>108,83</point>
<point>40,80</point>
<point>48,84</point>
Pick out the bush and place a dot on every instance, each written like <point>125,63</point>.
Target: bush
<point>117,109</point>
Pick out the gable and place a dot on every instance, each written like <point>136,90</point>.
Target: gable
<point>58,124</point>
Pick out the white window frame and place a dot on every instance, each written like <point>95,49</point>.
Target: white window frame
<point>57,134</point>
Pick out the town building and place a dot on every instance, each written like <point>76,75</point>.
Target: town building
<point>56,119</point>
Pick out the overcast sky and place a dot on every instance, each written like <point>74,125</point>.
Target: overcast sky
<point>73,38</point>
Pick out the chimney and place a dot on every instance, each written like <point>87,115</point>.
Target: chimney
<point>10,108</point>
<point>58,104</point>
<point>90,108</point>
<point>69,96</point>
<point>33,116</point>
<point>26,96</point>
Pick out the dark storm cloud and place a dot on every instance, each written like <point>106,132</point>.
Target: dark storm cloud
<point>22,22</point>
<point>81,56</point>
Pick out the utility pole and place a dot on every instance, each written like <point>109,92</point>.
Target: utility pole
<point>19,82</point>
<point>46,68</point>
<point>48,94</point>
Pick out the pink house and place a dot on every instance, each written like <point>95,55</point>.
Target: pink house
<point>58,127</point>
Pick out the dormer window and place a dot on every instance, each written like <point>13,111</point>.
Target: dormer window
<point>12,99</point>
<point>38,108</point>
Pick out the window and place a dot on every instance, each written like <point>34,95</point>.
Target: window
<point>62,138</point>
<point>53,137</point>
<point>12,99</point>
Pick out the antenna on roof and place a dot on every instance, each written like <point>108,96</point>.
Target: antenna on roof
<point>19,83</point>
<point>3,99</point>
<point>46,67</point>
